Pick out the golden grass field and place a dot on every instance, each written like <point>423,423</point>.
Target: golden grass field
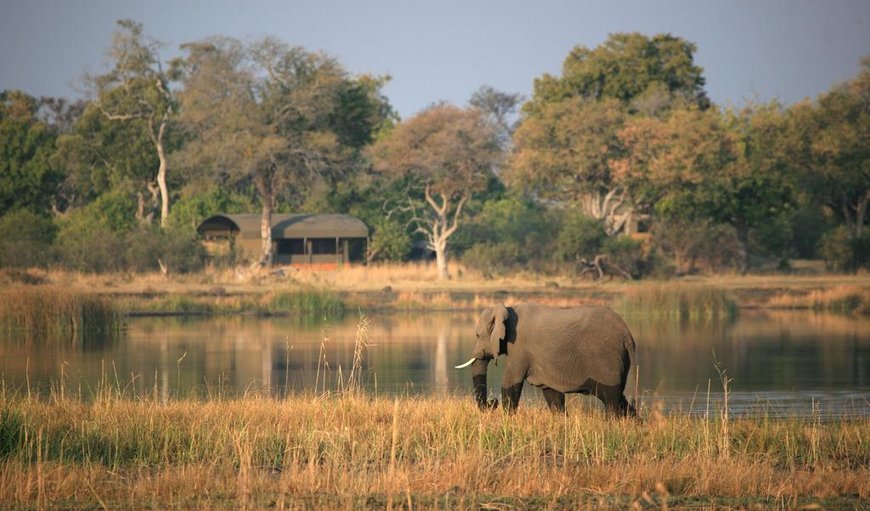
<point>349,451</point>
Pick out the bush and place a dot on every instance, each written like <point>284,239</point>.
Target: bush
<point>625,254</point>
<point>494,258</point>
<point>687,246</point>
<point>179,251</point>
<point>843,252</point>
<point>390,241</point>
<point>580,237</point>
<point>508,234</point>
<point>25,239</point>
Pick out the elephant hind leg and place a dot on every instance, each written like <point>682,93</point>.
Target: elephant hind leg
<point>555,399</point>
<point>615,404</point>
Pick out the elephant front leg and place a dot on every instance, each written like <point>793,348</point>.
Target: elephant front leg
<point>510,396</point>
<point>555,399</point>
<point>512,385</point>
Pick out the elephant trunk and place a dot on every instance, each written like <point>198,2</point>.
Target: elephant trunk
<point>478,378</point>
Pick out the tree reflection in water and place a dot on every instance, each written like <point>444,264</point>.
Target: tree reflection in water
<point>782,363</point>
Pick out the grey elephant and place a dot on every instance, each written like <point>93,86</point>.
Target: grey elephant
<point>586,350</point>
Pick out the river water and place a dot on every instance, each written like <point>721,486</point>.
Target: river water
<point>777,363</point>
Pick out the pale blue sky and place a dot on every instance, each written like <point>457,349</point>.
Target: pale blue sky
<point>446,49</point>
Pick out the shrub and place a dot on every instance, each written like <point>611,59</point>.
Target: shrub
<point>841,251</point>
<point>25,239</point>
<point>178,250</point>
<point>580,237</point>
<point>389,242</point>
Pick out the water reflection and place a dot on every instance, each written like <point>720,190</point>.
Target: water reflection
<point>779,363</point>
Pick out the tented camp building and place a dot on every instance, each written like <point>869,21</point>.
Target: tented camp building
<point>323,240</point>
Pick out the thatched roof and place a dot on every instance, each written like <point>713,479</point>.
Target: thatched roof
<point>291,226</point>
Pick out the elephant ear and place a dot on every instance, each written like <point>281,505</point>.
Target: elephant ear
<point>500,317</point>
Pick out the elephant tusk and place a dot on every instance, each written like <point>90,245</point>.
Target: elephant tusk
<point>463,366</point>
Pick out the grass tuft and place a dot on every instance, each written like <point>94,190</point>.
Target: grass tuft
<point>843,299</point>
<point>56,313</point>
<point>682,301</point>
<point>314,303</point>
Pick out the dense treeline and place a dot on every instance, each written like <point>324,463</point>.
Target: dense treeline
<point>619,166</point>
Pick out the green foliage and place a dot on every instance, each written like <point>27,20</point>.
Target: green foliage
<point>683,246</point>
<point>625,255</point>
<point>842,252</point>
<point>25,239</point>
<point>177,249</point>
<point>628,67</point>
<point>389,241</point>
<point>580,237</point>
<point>93,238</point>
<point>190,210</point>
<point>27,178</point>
<point>508,234</point>
<point>104,236</point>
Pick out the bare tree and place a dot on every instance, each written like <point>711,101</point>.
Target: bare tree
<point>448,154</point>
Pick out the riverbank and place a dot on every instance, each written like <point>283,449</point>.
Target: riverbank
<point>348,451</point>
<point>415,287</point>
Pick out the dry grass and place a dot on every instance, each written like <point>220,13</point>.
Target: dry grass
<point>56,313</point>
<point>350,451</point>
<point>678,300</point>
<point>841,298</point>
<point>415,286</point>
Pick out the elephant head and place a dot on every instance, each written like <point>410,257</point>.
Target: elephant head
<point>490,332</point>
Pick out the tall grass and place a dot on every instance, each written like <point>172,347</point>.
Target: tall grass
<point>307,302</point>
<point>683,301</point>
<point>350,451</point>
<point>56,313</point>
<point>843,299</point>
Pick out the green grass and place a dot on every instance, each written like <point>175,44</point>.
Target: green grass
<point>314,303</point>
<point>683,301</point>
<point>47,313</point>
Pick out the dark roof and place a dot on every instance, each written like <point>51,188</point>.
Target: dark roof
<point>297,226</point>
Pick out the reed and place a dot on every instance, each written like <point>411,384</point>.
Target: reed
<point>51,313</point>
<point>683,301</point>
<point>843,299</point>
<point>310,302</point>
<point>349,450</point>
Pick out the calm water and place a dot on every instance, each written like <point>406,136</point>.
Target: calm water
<point>779,364</point>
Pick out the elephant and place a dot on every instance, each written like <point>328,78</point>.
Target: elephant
<point>587,350</point>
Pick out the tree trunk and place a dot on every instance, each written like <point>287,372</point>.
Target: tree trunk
<point>264,187</point>
<point>743,246</point>
<point>440,247</point>
<point>161,176</point>
<point>266,235</point>
<point>440,227</point>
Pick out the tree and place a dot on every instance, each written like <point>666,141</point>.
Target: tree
<point>27,178</point>
<point>831,149</point>
<point>498,107</point>
<point>272,115</point>
<point>447,154</point>
<point>567,142</point>
<point>565,152</point>
<point>703,164</point>
<point>136,90</point>
<point>636,70</point>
